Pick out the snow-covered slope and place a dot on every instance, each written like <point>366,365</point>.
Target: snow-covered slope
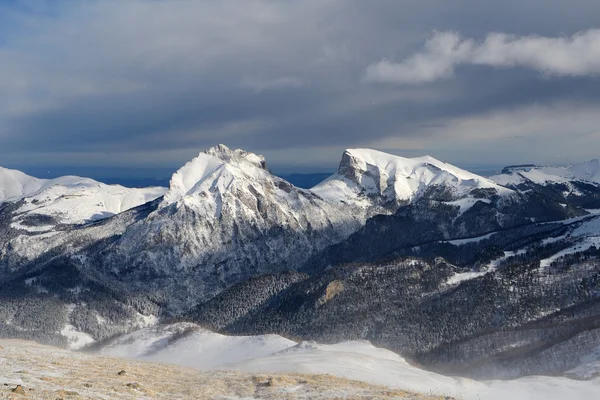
<point>369,177</point>
<point>44,372</point>
<point>585,172</point>
<point>67,199</point>
<point>189,345</point>
<point>15,184</point>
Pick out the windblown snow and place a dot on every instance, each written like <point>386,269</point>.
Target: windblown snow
<point>189,345</point>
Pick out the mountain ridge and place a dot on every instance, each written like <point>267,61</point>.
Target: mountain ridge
<point>227,226</point>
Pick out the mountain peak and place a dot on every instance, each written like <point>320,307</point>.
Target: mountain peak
<point>237,156</point>
<point>217,164</point>
<point>15,183</point>
<point>366,175</point>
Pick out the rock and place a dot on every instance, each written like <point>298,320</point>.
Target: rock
<point>1,348</point>
<point>87,385</point>
<point>332,290</point>
<point>280,381</point>
<point>19,390</point>
<point>121,372</point>
<point>65,393</point>
<point>133,385</point>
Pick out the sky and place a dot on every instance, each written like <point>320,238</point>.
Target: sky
<point>142,86</point>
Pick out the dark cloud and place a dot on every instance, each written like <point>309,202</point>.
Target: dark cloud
<point>96,80</point>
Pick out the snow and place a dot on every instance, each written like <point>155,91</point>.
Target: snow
<point>197,348</point>
<point>366,173</point>
<point>464,276</point>
<point>465,203</point>
<point>199,174</point>
<point>587,172</point>
<point>356,360</point>
<point>77,339</point>
<point>459,242</point>
<point>69,199</point>
<point>493,265</point>
<point>586,236</point>
<point>364,362</point>
<point>15,184</point>
<point>32,229</point>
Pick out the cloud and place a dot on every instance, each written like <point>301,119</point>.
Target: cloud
<point>577,55</point>
<point>93,82</point>
<point>260,85</point>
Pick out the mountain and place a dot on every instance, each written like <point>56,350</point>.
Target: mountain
<point>372,178</point>
<point>42,204</point>
<point>574,185</point>
<point>415,255</point>
<point>585,172</point>
<point>224,219</point>
<point>48,294</point>
<point>514,303</point>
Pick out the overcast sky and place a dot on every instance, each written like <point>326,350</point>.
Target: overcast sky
<point>149,84</point>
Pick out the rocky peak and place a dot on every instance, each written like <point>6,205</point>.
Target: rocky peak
<point>215,167</point>
<point>237,156</point>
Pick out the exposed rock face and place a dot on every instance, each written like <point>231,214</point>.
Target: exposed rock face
<point>331,291</point>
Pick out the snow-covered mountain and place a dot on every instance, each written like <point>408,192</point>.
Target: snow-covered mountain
<point>226,218</point>
<point>369,177</point>
<point>16,184</point>
<point>573,186</point>
<point>41,204</point>
<point>585,172</point>
<point>227,226</point>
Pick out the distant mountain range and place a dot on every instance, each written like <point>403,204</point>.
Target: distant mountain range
<point>488,276</point>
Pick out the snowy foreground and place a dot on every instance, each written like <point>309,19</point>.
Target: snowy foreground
<point>188,345</point>
<point>32,371</point>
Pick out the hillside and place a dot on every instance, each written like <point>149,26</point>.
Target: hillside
<point>191,345</point>
<point>45,372</point>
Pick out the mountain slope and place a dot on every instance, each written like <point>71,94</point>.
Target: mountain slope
<point>16,184</point>
<point>496,308</point>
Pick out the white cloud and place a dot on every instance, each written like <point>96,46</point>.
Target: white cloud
<point>577,55</point>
